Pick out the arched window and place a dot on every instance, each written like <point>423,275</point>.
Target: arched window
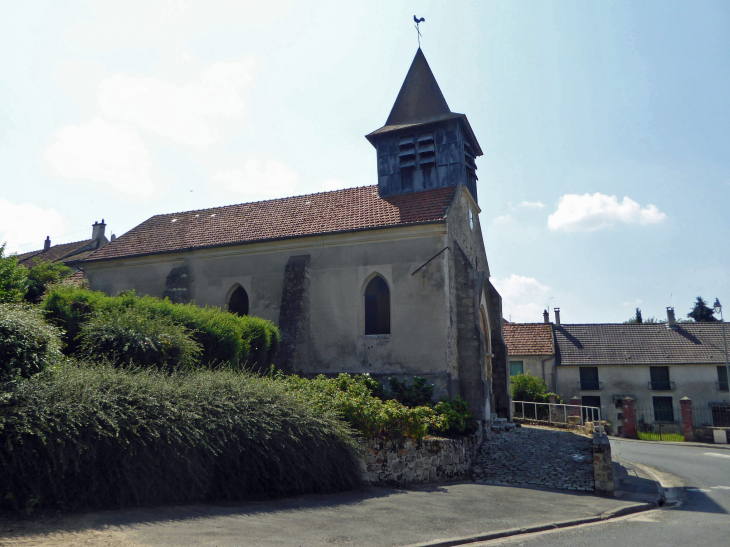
<point>238,303</point>
<point>377,307</point>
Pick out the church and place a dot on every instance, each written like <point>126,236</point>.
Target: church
<point>390,279</point>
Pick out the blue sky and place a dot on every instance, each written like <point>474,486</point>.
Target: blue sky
<point>605,179</point>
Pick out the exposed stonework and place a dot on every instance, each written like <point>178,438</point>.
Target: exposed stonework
<point>602,464</point>
<point>294,316</point>
<point>177,285</point>
<point>409,462</point>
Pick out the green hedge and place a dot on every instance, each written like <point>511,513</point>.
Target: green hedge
<point>225,337</point>
<point>132,336</point>
<point>27,343</point>
<point>97,436</point>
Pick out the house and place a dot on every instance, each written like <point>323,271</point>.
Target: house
<point>656,364</point>
<point>390,279</point>
<point>70,254</point>
<point>531,350</point>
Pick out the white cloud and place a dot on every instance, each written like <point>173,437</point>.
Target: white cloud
<point>260,180</point>
<point>501,219</point>
<point>105,152</point>
<point>532,204</point>
<point>523,298</point>
<point>593,212</point>
<point>185,114</point>
<point>26,224</point>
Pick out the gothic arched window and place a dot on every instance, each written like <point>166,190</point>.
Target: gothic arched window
<point>377,307</point>
<point>238,302</point>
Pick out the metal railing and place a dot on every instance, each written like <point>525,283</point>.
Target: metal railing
<point>590,386</point>
<point>558,413</point>
<point>661,386</point>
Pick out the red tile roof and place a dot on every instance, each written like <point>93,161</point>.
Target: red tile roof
<point>529,338</point>
<point>327,212</point>
<point>55,254</point>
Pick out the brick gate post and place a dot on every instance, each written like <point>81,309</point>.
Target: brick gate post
<point>629,427</point>
<point>575,401</point>
<point>686,404</point>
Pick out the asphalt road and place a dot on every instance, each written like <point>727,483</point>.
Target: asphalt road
<point>701,518</point>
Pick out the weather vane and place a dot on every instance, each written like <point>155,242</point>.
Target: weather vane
<point>418,21</point>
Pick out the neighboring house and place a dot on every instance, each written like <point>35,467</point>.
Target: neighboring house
<point>655,364</point>
<point>70,254</point>
<point>390,279</point>
<point>531,350</point>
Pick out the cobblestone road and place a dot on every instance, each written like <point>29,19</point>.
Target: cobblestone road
<point>537,456</point>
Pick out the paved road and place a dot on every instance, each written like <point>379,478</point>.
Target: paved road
<point>702,518</point>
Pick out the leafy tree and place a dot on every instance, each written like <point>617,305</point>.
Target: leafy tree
<point>637,318</point>
<point>41,276</point>
<point>13,278</point>
<point>701,312</point>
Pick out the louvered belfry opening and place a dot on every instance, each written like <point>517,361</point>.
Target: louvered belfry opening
<point>377,307</point>
<point>238,303</point>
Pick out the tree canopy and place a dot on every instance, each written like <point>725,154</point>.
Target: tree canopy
<point>701,312</point>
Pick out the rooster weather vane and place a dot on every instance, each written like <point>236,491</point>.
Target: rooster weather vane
<point>418,21</point>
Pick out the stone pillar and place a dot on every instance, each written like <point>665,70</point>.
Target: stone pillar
<point>602,465</point>
<point>686,404</point>
<point>629,427</point>
<point>575,401</point>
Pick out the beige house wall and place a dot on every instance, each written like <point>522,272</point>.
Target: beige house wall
<point>542,366</point>
<point>340,267</point>
<point>698,382</point>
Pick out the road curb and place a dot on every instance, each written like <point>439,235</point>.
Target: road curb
<point>672,443</point>
<point>615,513</point>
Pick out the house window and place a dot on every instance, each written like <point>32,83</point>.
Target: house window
<point>589,378</point>
<point>591,414</point>
<point>377,307</point>
<point>515,368</point>
<point>659,379</point>
<point>663,409</point>
<point>722,378</point>
<point>238,303</point>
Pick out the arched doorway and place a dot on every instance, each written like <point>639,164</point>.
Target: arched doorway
<point>238,302</point>
<point>377,306</point>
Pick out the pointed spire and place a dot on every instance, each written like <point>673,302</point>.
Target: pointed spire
<point>420,99</point>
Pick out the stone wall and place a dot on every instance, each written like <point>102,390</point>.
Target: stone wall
<point>407,461</point>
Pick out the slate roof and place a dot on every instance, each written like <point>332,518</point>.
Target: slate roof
<point>640,344</point>
<point>55,253</point>
<point>327,212</point>
<point>420,102</point>
<point>528,338</point>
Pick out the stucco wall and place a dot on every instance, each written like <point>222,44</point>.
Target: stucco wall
<point>340,266</point>
<point>534,365</point>
<point>698,382</point>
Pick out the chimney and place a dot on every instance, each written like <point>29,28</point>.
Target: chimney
<point>97,230</point>
<point>557,316</point>
<point>546,316</point>
<point>47,243</point>
<point>113,237</point>
<point>671,322</point>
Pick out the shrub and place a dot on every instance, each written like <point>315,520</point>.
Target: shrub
<point>100,436</point>
<point>225,338</point>
<point>419,393</point>
<point>27,343</point>
<point>127,336</point>
<point>13,278</point>
<point>43,275</point>
<point>354,400</point>
<point>525,387</point>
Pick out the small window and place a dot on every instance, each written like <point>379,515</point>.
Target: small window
<point>589,378</point>
<point>471,219</point>
<point>515,368</point>
<point>377,307</point>
<point>722,378</point>
<point>663,409</point>
<point>238,303</point>
<point>660,378</point>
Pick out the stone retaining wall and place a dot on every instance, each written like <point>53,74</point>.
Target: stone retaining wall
<point>602,464</point>
<point>408,462</point>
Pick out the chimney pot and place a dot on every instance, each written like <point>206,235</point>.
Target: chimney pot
<point>546,316</point>
<point>47,243</point>
<point>557,315</point>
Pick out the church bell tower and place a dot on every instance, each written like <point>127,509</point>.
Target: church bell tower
<point>423,145</point>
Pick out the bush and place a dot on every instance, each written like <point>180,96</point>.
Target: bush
<point>419,393</point>
<point>525,387</point>
<point>127,336</point>
<point>27,343</point>
<point>355,400</point>
<point>43,275</point>
<point>83,436</point>
<point>225,338</point>
<point>13,278</point>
